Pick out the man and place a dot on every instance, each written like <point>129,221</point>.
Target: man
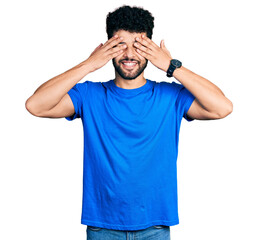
<point>131,127</point>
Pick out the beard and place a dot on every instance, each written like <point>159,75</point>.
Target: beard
<point>132,73</point>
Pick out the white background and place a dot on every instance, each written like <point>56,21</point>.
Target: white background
<point>41,158</point>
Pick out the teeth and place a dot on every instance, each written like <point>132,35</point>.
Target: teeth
<point>129,64</point>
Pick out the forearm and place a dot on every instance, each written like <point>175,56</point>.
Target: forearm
<point>49,94</point>
<point>210,97</point>
<point>210,102</point>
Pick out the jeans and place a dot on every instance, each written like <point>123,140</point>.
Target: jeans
<point>158,232</point>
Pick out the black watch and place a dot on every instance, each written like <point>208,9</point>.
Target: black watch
<point>174,63</point>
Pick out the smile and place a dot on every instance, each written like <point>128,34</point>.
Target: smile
<point>129,64</point>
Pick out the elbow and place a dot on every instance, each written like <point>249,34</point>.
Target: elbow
<point>225,110</point>
<point>30,108</point>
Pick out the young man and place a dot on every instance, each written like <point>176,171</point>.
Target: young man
<point>131,127</point>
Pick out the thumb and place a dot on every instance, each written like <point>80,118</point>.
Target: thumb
<point>100,45</point>
<point>162,44</point>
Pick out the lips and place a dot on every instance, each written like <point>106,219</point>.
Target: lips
<point>129,64</point>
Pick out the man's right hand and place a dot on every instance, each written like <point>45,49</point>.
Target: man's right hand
<point>51,99</point>
<point>103,53</point>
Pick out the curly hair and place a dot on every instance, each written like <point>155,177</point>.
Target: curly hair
<point>132,19</point>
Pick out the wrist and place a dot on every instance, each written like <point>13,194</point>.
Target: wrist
<point>166,65</point>
<point>174,64</point>
<point>87,66</point>
<point>178,71</point>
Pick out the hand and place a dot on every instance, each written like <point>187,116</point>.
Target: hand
<point>103,53</point>
<point>159,56</point>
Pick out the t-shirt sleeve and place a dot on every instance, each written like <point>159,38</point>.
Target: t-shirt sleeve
<point>76,94</point>
<point>184,101</point>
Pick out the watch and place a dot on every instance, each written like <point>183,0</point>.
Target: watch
<point>174,63</point>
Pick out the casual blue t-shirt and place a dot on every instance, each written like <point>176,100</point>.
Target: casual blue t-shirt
<point>130,152</point>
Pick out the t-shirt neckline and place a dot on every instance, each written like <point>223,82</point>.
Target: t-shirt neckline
<point>130,91</point>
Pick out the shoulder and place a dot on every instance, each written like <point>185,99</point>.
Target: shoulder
<point>84,88</point>
<point>171,87</point>
<point>89,85</point>
<point>98,84</point>
<point>94,88</point>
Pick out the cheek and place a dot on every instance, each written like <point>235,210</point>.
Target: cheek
<point>138,55</point>
<point>142,59</point>
<point>116,59</point>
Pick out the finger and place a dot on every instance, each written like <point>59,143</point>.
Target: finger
<point>110,40</point>
<point>162,44</point>
<point>143,54</point>
<point>146,42</point>
<point>113,43</point>
<point>142,48</point>
<point>115,54</point>
<point>99,46</point>
<point>116,51</point>
<point>116,48</point>
<point>143,42</point>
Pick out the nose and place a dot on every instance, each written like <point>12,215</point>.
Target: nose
<point>130,52</point>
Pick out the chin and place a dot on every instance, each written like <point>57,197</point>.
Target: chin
<point>129,70</point>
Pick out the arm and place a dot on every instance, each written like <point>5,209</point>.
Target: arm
<point>210,102</point>
<point>51,98</point>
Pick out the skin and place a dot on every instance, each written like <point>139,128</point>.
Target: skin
<point>130,55</point>
<point>51,98</point>
<point>210,102</point>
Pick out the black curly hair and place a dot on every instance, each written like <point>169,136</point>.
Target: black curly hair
<point>132,19</point>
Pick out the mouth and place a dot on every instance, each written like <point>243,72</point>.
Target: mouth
<point>129,64</point>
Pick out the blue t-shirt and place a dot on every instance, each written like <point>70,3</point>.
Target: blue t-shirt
<point>130,152</point>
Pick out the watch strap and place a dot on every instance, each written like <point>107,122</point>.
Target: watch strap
<point>174,63</point>
<point>171,69</point>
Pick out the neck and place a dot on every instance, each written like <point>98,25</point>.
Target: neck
<point>129,84</point>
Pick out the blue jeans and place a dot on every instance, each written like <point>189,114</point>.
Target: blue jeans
<point>158,232</point>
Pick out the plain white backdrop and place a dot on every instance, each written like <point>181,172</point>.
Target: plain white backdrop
<point>41,158</point>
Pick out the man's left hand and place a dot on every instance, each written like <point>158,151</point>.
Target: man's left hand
<point>159,56</point>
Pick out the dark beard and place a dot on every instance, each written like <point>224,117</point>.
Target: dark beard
<point>129,76</point>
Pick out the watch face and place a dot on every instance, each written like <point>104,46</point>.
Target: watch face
<point>176,63</point>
